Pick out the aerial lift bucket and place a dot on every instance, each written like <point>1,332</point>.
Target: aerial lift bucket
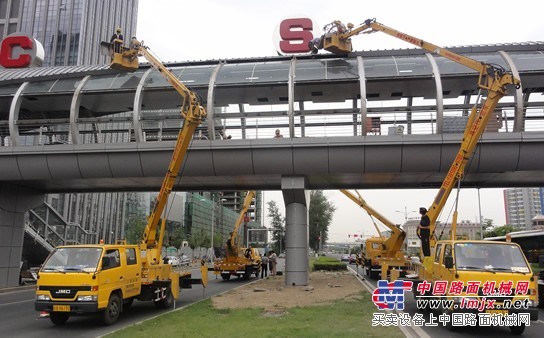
<point>124,61</point>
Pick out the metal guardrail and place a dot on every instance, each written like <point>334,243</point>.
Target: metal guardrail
<point>326,122</point>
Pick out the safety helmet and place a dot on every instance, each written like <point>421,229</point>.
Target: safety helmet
<point>118,30</point>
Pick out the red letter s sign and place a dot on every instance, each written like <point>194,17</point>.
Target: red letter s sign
<point>295,34</point>
<point>6,52</point>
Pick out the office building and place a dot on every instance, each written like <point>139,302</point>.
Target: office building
<point>69,30</point>
<point>522,205</point>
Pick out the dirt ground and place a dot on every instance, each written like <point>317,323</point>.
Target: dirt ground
<point>271,292</point>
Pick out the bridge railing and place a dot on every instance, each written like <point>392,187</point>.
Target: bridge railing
<point>337,122</point>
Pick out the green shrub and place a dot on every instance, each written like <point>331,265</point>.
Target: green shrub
<point>329,265</point>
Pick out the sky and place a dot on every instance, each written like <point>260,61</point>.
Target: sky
<point>217,29</point>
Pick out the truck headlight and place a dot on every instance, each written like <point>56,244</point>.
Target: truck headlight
<point>87,298</point>
<point>43,297</point>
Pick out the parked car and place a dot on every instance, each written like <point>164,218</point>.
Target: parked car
<point>173,260</point>
<point>184,260</point>
<point>344,258</point>
<point>352,258</point>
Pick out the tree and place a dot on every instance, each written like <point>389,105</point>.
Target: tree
<point>135,229</point>
<point>320,217</point>
<point>278,224</point>
<point>177,236</point>
<point>500,231</point>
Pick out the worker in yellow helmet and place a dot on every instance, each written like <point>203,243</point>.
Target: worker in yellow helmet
<point>117,40</point>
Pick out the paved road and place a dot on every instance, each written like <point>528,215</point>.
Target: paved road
<point>535,330</point>
<point>19,319</point>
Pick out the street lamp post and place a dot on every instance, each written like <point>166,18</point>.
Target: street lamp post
<point>406,213</point>
<point>213,217</point>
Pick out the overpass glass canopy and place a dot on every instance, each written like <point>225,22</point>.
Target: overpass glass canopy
<point>407,91</point>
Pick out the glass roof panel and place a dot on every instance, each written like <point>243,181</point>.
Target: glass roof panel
<point>127,80</point>
<point>99,82</point>
<point>39,87</point>
<point>413,66</point>
<point>330,69</point>
<point>254,73</point>
<point>9,89</point>
<point>190,76</point>
<point>380,67</point>
<point>66,85</point>
<point>528,61</point>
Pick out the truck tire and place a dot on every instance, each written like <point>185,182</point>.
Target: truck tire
<point>517,330</point>
<point>166,302</point>
<point>247,273</point>
<point>59,318</point>
<point>374,275</point>
<point>225,276</point>
<point>113,310</point>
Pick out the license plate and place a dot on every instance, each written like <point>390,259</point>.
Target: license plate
<point>497,312</point>
<point>61,308</point>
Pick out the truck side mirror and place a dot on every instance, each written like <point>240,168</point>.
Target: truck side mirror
<point>448,262</point>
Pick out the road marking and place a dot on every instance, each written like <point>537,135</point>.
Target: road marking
<point>411,331</point>
<point>19,302</point>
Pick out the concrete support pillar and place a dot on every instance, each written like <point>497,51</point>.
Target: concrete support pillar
<point>296,200</point>
<point>14,202</point>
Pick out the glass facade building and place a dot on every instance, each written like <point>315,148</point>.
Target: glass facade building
<point>71,30</point>
<point>522,205</point>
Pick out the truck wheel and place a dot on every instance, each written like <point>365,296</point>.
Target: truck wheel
<point>517,330</point>
<point>113,310</point>
<point>374,274</point>
<point>59,318</point>
<point>166,302</point>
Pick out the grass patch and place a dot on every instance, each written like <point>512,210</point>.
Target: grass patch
<point>344,318</point>
<point>327,264</point>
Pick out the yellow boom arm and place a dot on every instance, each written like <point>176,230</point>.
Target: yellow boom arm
<point>492,78</point>
<point>245,207</point>
<point>393,243</point>
<point>193,113</point>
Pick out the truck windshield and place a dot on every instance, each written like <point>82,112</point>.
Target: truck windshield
<point>76,259</point>
<point>492,256</point>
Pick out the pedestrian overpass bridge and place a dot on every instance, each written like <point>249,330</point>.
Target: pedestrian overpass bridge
<point>372,120</point>
<point>362,162</point>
